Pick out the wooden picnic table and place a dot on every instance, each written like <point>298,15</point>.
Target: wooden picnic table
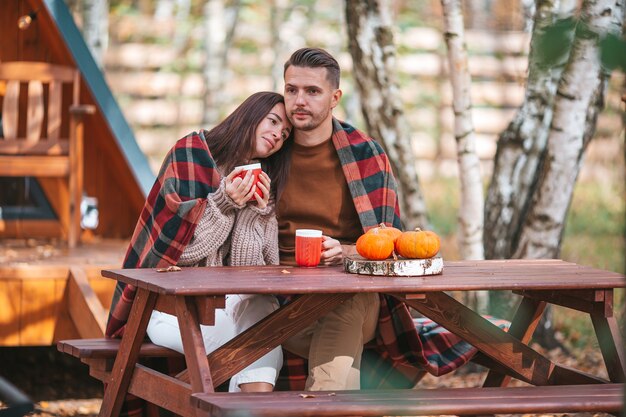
<point>193,294</point>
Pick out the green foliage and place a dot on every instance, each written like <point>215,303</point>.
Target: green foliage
<point>442,202</point>
<point>554,44</point>
<point>613,52</point>
<point>594,232</point>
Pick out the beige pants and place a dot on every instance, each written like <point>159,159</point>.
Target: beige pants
<point>334,343</point>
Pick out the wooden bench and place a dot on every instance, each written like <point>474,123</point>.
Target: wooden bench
<point>455,401</point>
<point>100,353</point>
<point>107,349</point>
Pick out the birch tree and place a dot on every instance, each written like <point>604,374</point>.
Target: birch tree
<point>536,163</point>
<point>522,144</point>
<point>220,22</point>
<point>470,230</point>
<point>95,14</point>
<point>579,100</point>
<point>178,11</point>
<point>282,22</point>
<point>370,41</point>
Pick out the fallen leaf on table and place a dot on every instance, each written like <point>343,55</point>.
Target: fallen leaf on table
<point>307,395</point>
<point>284,271</point>
<point>172,268</point>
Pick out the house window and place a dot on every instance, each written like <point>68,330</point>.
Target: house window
<point>23,198</point>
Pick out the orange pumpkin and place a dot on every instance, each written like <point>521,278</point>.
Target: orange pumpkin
<point>418,244</point>
<point>374,245</point>
<point>392,232</point>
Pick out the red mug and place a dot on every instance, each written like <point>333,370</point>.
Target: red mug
<point>308,247</point>
<point>256,170</point>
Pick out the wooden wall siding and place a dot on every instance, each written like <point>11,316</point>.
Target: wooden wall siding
<point>35,310</point>
<point>109,175</point>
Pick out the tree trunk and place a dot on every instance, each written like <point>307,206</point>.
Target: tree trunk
<point>219,29</point>
<point>96,27</point>
<point>470,231</point>
<point>280,14</point>
<point>373,56</point>
<point>528,10</point>
<point>521,146</point>
<point>478,13</point>
<point>580,98</point>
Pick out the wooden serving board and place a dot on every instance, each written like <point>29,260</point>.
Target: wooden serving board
<point>389,267</point>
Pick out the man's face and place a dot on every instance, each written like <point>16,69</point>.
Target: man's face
<point>309,97</point>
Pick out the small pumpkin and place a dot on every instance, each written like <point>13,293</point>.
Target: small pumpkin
<point>418,244</point>
<point>374,245</point>
<point>392,232</point>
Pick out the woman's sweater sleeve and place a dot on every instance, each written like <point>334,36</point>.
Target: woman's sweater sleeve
<point>213,229</point>
<point>270,248</point>
<point>254,230</point>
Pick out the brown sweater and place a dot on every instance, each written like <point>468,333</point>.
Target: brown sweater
<point>316,196</point>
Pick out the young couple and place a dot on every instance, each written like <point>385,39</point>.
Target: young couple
<point>199,212</point>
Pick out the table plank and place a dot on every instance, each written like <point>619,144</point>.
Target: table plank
<point>457,276</point>
<point>611,345</point>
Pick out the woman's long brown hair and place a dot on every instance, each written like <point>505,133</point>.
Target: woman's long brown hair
<point>232,141</point>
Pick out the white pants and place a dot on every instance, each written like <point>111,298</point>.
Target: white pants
<point>241,312</point>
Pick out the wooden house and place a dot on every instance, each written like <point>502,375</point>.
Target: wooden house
<point>50,286</point>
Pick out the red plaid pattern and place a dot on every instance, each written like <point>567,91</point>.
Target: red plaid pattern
<point>169,217</point>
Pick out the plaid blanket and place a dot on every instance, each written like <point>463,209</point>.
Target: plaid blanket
<point>168,219</point>
<point>400,348</point>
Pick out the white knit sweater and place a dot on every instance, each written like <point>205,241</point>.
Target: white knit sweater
<point>230,234</point>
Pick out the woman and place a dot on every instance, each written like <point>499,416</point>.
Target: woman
<point>198,213</point>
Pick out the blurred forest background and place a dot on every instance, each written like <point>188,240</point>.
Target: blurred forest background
<point>179,65</point>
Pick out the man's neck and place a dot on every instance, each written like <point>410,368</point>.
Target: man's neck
<point>316,136</point>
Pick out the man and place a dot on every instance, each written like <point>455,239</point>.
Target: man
<point>340,182</point>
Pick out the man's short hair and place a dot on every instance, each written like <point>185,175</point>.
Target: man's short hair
<point>315,58</point>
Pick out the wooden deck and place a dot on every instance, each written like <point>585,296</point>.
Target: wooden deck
<point>49,292</point>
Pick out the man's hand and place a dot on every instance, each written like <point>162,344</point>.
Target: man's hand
<point>333,252</point>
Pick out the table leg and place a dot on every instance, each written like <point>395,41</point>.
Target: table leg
<point>609,338</point>
<point>522,327</point>
<point>520,360</point>
<point>193,345</point>
<point>268,333</point>
<point>128,353</point>
<point>598,303</point>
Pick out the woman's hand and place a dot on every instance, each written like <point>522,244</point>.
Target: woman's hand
<point>264,186</point>
<point>240,190</point>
